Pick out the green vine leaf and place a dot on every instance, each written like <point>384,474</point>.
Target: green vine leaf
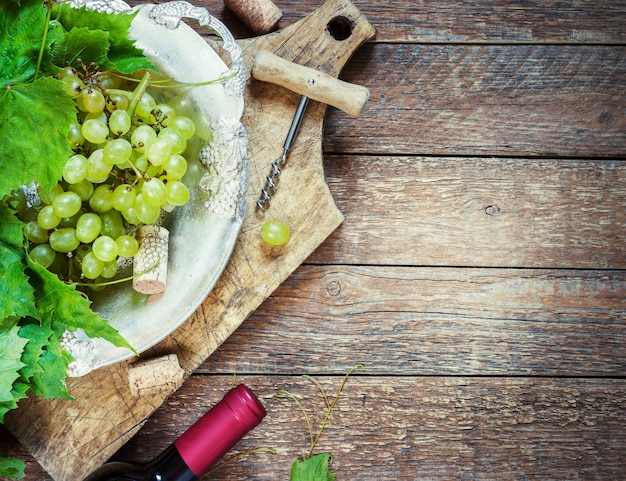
<point>35,119</point>
<point>315,468</point>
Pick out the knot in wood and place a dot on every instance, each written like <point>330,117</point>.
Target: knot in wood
<point>333,288</point>
<point>492,210</point>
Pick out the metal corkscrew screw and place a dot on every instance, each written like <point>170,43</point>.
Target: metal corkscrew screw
<point>272,179</point>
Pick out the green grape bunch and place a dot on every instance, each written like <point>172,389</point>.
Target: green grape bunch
<point>126,171</point>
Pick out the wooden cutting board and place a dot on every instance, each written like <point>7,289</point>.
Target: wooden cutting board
<point>71,438</point>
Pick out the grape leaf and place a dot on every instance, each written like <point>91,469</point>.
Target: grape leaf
<point>64,308</point>
<point>15,290</point>
<point>18,392</point>
<point>12,467</point>
<point>38,339</point>
<point>81,45</point>
<point>123,56</point>
<point>314,468</point>
<point>49,381</point>
<point>11,349</point>
<point>11,228</point>
<point>35,119</point>
<point>20,40</point>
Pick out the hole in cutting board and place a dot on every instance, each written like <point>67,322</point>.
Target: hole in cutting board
<point>340,28</point>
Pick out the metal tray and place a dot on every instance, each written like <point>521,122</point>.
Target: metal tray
<point>203,233</point>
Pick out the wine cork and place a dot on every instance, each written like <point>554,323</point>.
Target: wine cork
<point>261,16</point>
<point>152,376</point>
<point>150,263</point>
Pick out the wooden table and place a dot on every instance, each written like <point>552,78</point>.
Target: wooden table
<point>479,273</point>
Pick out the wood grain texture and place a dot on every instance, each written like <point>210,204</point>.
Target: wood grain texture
<point>512,100</point>
<point>477,212</point>
<point>408,428</point>
<point>480,270</point>
<point>435,322</point>
<point>448,21</point>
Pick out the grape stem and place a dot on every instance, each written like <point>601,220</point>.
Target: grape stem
<point>138,93</point>
<point>118,281</point>
<point>43,41</point>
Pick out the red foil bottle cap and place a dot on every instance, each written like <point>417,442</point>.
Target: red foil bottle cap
<point>215,433</point>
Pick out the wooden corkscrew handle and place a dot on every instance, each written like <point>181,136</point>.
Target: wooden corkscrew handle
<point>310,82</point>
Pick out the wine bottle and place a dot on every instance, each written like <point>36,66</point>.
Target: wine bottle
<point>199,448</point>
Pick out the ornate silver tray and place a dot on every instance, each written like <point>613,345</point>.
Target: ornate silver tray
<point>203,233</point>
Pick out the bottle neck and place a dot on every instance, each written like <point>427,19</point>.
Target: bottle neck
<point>170,466</point>
<point>215,433</point>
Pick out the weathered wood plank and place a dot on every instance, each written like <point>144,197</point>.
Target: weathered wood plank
<point>424,321</point>
<point>487,21</point>
<point>473,212</point>
<point>421,428</point>
<point>407,428</point>
<point>510,100</point>
<point>497,21</point>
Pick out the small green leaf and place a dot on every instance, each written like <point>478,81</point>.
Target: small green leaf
<point>11,349</point>
<point>18,392</point>
<point>11,228</point>
<point>315,468</point>
<point>81,45</point>
<point>20,40</point>
<point>15,290</point>
<point>49,381</point>
<point>66,309</point>
<point>38,339</point>
<point>35,119</point>
<point>12,468</point>
<point>123,56</point>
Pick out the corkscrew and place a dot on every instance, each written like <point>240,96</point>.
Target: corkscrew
<point>272,178</point>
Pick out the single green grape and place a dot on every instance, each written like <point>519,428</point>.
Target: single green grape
<point>117,101</point>
<point>104,248</point>
<point>95,131</point>
<point>47,219</point>
<point>91,266</point>
<point>112,223</point>
<point>123,197</point>
<point>175,167</point>
<point>175,138</point>
<point>64,240</point>
<point>75,136</point>
<point>119,122</point>
<point>66,204</point>
<point>75,169</point>
<point>98,169</point>
<point>93,100</point>
<point>127,246</point>
<point>158,151</point>
<point>153,191</point>
<point>141,137</point>
<point>88,227</point>
<point>146,212</point>
<point>107,80</point>
<point>176,193</point>
<point>72,85</point>
<point>184,125</point>
<point>109,269</point>
<point>35,233</point>
<point>43,255</point>
<point>84,189</point>
<point>117,151</point>
<point>102,199</point>
<point>275,233</point>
